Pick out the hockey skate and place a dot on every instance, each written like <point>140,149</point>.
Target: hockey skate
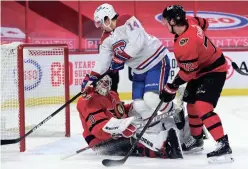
<point>172,145</point>
<point>193,145</point>
<point>205,133</point>
<point>223,152</point>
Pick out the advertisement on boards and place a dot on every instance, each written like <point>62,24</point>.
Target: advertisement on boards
<point>44,76</point>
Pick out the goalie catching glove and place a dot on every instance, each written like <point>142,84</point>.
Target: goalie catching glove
<point>120,127</point>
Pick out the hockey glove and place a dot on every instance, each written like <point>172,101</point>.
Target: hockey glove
<point>120,127</point>
<point>119,60</point>
<point>89,79</point>
<point>169,92</point>
<point>170,89</point>
<point>115,66</point>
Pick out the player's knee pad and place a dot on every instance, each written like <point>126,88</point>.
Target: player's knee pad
<point>191,109</point>
<point>203,107</point>
<point>142,109</point>
<point>152,100</point>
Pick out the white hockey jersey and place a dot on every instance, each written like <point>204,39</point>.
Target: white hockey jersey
<point>145,50</point>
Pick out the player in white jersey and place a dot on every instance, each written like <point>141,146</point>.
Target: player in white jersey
<point>126,41</point>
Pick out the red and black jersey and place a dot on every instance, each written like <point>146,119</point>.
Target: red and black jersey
<point>195,53</point>
<point>95,110</point>
<point>202,22</point>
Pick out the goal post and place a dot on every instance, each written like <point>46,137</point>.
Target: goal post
<point>34,83</point>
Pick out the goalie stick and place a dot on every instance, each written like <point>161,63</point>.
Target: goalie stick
<point>235,67</point>
<point>84,149</point>
<point>13,141</point>
<point>155,119</point>
<point>110,163</point>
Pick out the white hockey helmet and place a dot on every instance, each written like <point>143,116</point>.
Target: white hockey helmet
<point>103,86</point>
<point>101,12</point>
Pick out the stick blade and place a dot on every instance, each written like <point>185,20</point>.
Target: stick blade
<point>67,156</point>
<point>6,142</point>
<point>112,163</point>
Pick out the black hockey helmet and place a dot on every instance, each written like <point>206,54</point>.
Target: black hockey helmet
<point>175,12</point>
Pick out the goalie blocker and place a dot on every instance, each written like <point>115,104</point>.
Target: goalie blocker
<point>104,116</point>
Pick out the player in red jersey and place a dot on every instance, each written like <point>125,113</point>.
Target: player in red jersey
<point>203,67</point>
<point>104,116</point>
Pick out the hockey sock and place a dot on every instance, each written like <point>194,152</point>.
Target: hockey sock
<point>195,123</point>
<point>210,119</point>
<point>213,123</point>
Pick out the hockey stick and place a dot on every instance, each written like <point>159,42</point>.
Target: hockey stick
<point>13,141</point>
<point>109,162</point>
<point>235,67</point>
<point>84,149</point>
<point>155,119</point>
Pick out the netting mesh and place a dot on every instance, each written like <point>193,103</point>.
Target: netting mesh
<point>43,87</point>
<point>8,98</point>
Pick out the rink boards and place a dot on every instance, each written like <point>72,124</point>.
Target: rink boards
<point>236,84</point>
<point>80,64</point>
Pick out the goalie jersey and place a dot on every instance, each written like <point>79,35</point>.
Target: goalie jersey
<point>129,35</point>
<point>95,111</point>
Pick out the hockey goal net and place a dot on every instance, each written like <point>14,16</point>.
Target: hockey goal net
<point>34,83</point>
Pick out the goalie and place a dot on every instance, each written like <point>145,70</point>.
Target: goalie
<point>105,118</point>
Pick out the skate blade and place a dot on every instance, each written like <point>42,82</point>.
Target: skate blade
<point>221,159</point>
<point>194,150</point>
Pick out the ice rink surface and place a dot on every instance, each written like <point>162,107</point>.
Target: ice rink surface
<point>46,153</point>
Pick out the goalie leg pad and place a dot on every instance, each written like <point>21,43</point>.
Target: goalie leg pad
<point>172,145</point>
<point>142,109</point>
<point>153,141</point>
<point>152,100</point>
<point>144,151</point>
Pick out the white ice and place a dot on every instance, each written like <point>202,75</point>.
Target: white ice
<point>45,153</point>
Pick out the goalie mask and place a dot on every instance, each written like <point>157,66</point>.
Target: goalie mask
<point>103,86</point>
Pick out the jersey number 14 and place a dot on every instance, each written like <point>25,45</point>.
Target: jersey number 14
<point>133,25</point>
